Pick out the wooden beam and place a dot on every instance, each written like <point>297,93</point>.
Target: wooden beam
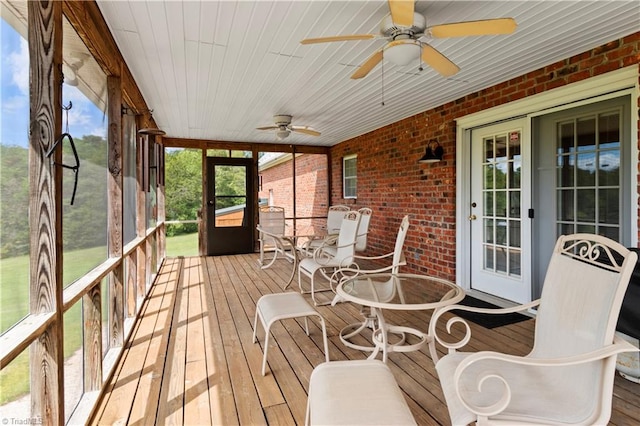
<point>45,205</point>
<point>242,146</point>
<point>114,211</point>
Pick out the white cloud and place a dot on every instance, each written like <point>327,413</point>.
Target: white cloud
<point>15,104</point>
<point>18,62</point>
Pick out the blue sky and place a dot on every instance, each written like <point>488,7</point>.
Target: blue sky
<point>84,118</point>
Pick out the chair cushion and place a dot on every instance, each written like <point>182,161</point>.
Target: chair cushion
<point>362,392</point>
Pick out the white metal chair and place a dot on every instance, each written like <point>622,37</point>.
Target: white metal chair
<point>334,217</point>
<point>363,231</point>
<point>567,378</point>
<point>334,221</point>
<point>363,228</point>
<point>271,226</point>
<point>326,263</point>
<point>396,256</point>
<point>384,290</point>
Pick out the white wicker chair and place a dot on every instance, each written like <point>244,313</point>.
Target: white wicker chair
<point>568,376</point>
<point>326,263</point>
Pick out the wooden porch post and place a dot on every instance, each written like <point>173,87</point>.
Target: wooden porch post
<point>114,212</point>
<point>141,213</point>
<point>45,207</point>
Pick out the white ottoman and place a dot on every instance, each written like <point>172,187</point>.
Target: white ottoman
<point>279,306</point>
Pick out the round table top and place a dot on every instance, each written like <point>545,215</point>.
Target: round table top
<point>400,291</point>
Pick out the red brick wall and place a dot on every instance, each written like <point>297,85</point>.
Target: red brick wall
<point>393,184</point>
<point>311,172</point>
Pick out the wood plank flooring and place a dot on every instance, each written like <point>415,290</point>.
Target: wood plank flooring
<point>191,360</point>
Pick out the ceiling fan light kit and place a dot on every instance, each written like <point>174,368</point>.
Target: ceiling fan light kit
<point>403,53</point>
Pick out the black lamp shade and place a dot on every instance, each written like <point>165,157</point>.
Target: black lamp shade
<point>432,154</point>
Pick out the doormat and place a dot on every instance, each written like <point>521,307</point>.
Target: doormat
<point>487,320</point>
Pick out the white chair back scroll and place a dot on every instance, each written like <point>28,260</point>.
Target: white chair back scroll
<point>334,218</point>
<point>567,378</point>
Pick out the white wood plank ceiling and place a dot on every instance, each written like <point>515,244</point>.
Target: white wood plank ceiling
<point>218,69</point>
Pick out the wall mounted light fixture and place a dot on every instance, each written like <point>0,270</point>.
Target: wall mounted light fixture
<point>151,130</point>
<point>433,154</point>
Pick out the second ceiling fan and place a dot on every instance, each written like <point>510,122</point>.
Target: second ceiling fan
<point>407,35</point>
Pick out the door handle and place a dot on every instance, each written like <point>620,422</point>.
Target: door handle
<point>472,217</point>
<point>210,202</point>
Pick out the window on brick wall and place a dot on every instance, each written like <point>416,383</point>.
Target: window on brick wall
<point>349,176</point>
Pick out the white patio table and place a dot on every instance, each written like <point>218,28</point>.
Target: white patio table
<point>405,292</point>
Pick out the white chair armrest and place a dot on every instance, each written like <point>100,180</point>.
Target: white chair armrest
<point>452,346</point>
<point>618,346</point>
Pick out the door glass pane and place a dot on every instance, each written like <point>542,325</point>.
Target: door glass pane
<point>514,262</point>
<point>230,198</point>
<point>501,259</point>
<point>502,199</point>
<point>488,258</point>
<point>488,203</point>
<point>488,150</point>
<point>230,211</point>
<point>609,168</point>
<point>608,206</point>
<point>566,170</point>
<point>501,203</point>
<point>514,204</point>
<point>566,210</point>
<point>586,128</point>
<point>488,175</point>
<point>565,138</point>
<point>609,130</point>
<point>586,205</point>
<point>586,169</point>
<point>588,196</point>
<point>488,230</point>
<point>230,180</point>
<point>514,233</point>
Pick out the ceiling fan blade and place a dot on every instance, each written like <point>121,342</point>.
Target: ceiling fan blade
<point>338,38</point>
<point>474,28</point>
<point>306,130</point>
<point>267,128</point>
<point>368,65</point>
<point>438,61</point>
<point>402,12</point>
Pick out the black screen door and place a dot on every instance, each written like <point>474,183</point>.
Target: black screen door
<point>230,206</point>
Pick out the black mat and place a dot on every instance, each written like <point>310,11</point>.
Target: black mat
<point>487,320</point>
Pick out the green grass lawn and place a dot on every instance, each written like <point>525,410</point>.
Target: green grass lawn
<point>14,304</point>
<point>182,245</point>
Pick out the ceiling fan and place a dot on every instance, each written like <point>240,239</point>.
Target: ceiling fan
<point>407,34</point>
<point>283,127</point>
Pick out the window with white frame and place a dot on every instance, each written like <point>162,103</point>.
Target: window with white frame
<point>349,176</point>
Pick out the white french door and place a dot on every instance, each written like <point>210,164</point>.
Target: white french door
<point>498,217</point>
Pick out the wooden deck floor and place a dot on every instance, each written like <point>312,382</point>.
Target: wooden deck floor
<point>191,360</point>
